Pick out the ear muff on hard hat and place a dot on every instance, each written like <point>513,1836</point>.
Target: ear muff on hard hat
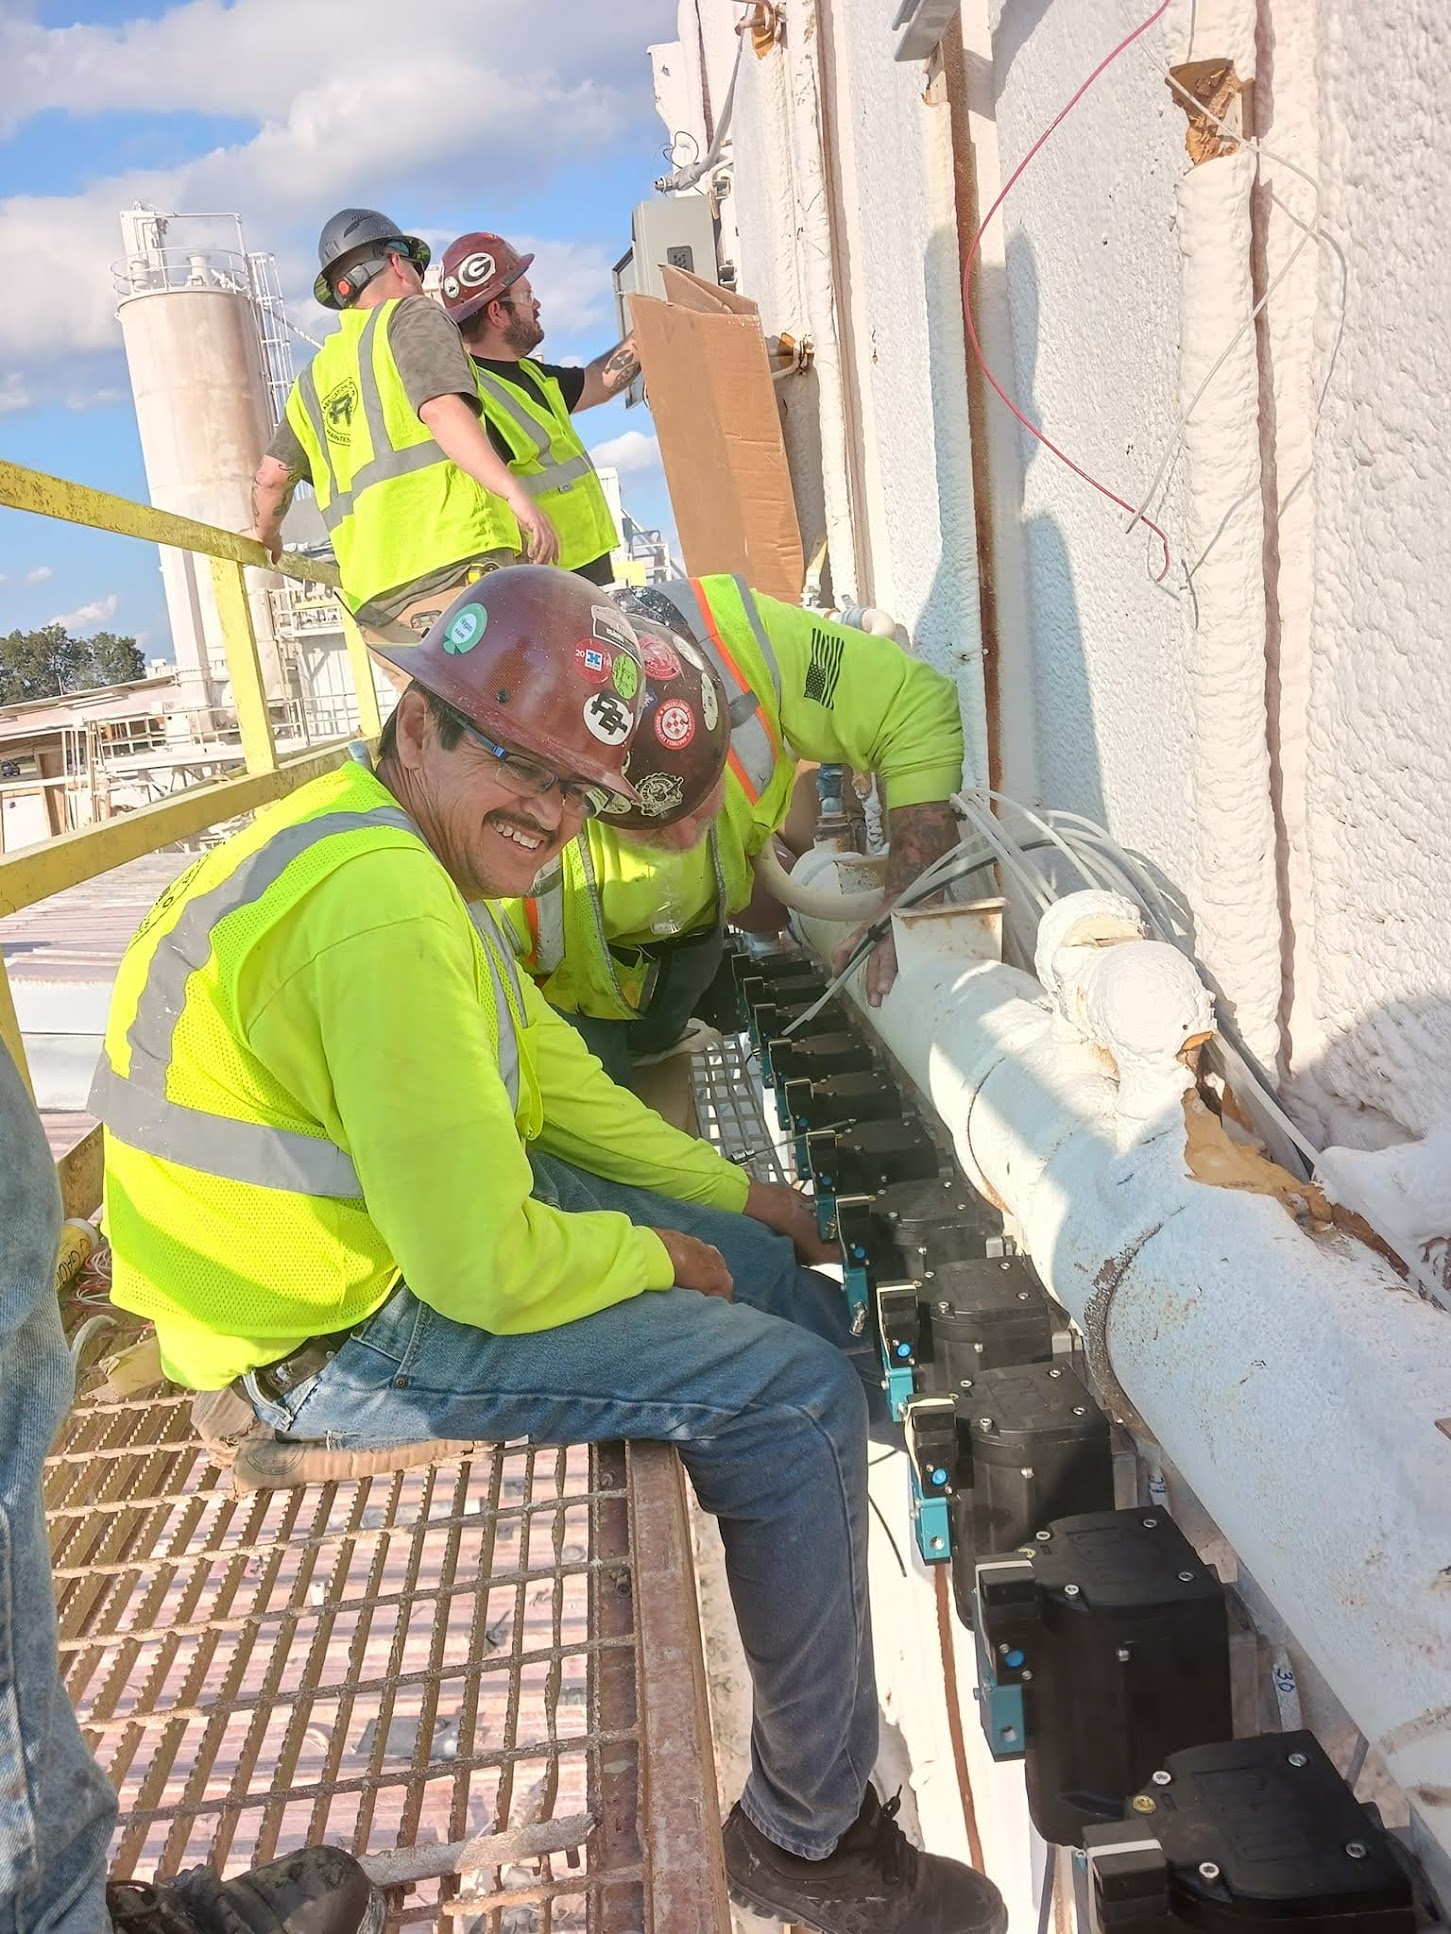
<point>679,749</point>
<point>540,661</point>
<point>354,247</point>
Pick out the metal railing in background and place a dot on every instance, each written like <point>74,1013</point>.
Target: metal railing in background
<point>36,872</point>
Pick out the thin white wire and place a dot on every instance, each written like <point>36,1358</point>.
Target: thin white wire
<point>1029,881</point>
<point>953,864</point>
<point>1043,826</point>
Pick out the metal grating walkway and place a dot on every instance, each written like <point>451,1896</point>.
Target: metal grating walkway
<point>492,1646</point>
<point>730,1113</point>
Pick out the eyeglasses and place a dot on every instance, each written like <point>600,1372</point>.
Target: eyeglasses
<point>526,778</point>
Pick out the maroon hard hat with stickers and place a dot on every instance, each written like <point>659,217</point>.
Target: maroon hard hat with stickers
<point>540,661</point>
<point>679,749</point>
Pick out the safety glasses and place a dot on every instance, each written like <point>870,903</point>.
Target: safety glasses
<point>526,778</point>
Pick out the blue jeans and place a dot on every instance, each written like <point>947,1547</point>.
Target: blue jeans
<point>770,1419</point>
<point>56,1806</point>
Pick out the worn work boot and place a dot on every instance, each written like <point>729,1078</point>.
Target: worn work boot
<point>317,1890</point>
<point>875,1882</point>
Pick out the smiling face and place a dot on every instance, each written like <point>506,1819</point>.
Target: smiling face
<point>491,842</point>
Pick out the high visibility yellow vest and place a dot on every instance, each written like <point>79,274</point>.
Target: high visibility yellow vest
<point>394,506</point>
<point>200,1133</point>
<point>551,462</point>
<point>562,931</point>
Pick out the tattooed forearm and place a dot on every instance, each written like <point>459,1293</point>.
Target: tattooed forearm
<point>919,835</point>
<point>620,367</point>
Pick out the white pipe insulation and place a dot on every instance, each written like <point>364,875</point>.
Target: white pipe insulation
<point>1236,891</point>
<point>1301,1390</point>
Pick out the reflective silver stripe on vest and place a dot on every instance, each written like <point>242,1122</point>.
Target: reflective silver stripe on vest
<point>556,476</point>
<point>136,1107</point>
<point>386,461</point>
<point>233,1151</point>
<point>188,945</point>
<point>498,952</point>
<point>750,741</point>
<point>552,474</point>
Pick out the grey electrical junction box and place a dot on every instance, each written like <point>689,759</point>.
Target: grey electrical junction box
<point>668,231</point>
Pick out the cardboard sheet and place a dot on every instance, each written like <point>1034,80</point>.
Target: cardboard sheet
<point>708,380</point>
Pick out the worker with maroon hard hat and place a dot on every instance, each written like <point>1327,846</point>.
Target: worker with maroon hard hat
<point>355,1161</point>
<point>529,406</point>
<point>384,423</point>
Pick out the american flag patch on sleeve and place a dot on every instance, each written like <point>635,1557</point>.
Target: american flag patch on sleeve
<point>824,669</point>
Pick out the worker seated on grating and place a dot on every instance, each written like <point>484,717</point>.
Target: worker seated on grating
<point>357,1164</point>
<point>625,932</point>
<point>57,1808</point>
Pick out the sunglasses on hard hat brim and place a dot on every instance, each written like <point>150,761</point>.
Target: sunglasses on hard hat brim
<point>531,778</point>
<point>418,253</point>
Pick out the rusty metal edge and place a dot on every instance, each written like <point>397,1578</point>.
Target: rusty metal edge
<point>680,1805</point>
<point>614,1771</point>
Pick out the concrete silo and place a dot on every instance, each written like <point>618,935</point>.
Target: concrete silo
<point>205,407</point>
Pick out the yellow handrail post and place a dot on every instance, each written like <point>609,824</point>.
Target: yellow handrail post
<point>370,719</point>
<point>10,1029</point>
<point>243,665</point>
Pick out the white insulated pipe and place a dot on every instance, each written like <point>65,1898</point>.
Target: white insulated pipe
<point>821,902</point>
<point>1293,1380</point>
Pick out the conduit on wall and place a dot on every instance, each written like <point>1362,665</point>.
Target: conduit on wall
<point>1236,892</point>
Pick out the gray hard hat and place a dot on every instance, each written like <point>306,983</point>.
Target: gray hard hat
<point>347,237</point>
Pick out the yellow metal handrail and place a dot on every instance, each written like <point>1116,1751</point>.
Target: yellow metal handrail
<point>36,872</point>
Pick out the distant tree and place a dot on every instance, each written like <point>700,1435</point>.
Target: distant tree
<point>49,662</point>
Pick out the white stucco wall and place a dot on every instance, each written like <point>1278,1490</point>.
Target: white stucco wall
<point>1379,753</point>
<point>1093,279</point>
<point>1361,692</point>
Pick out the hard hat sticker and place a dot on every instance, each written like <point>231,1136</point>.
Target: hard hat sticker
<point>611,625</point>
<point>626,675</point>
<point>472,273</point>
<point>660,793</point>
<point>658,659</point>
<point>709,704</point>
<point>674,724</point>
<point>593,661</point>
<point>465,628</point>
<point>607,719</point>
<point>691,654</point>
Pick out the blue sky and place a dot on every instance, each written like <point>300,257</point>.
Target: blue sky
<point>534,120</point>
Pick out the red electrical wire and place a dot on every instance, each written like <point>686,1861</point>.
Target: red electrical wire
<point>972,255</point>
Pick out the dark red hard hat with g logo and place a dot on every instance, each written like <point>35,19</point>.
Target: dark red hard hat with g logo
<point>540,661</point>
<point>477,269</point>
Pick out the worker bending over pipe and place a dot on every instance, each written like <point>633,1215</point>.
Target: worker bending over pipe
<point>624,932</point>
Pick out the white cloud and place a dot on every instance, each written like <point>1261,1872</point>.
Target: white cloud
<point>88,617</point>
<point>630,453</point>
<point>96,399</point>
<point>41,574</point>
<point>14,395</point>
<point>357,109</point>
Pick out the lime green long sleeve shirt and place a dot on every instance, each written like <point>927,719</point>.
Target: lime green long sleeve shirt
<point>442,1160</point>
